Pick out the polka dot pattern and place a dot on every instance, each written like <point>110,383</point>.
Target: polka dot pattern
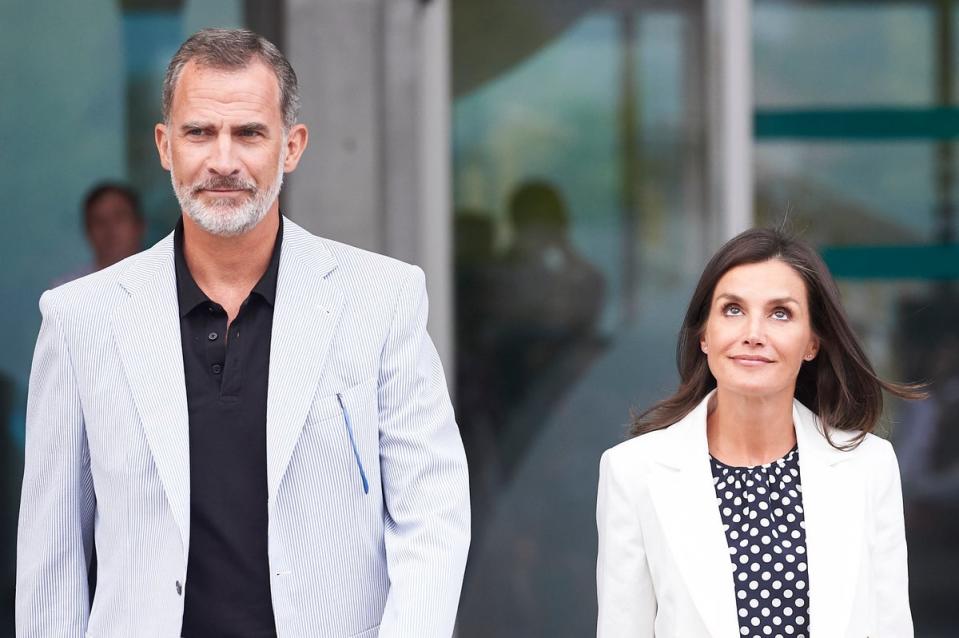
<point>762,514</point>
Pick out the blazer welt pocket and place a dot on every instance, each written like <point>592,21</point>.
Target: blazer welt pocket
<point>356,452</point>
<point>350,416</point>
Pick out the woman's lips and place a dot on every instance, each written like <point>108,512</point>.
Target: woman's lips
<point>751,360</point>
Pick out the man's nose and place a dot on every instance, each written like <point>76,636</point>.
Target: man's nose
<point>223,159</point>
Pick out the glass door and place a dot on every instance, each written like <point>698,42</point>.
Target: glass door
<point>579,159</point>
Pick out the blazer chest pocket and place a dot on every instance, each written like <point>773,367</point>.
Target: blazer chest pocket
<point>345,428</point>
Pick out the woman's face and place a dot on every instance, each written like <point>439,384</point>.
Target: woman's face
<point>758,331</point>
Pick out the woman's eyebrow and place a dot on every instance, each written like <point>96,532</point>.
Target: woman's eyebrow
<point>778,301</point>
<point>781,300</point>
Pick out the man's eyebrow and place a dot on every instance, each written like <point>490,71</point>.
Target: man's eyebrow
<point>189,126</point>
<point>251,126</point>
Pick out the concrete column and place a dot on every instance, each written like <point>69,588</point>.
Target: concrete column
<point>335,48</point>
<point>375,92</point>
<point>729,70</point>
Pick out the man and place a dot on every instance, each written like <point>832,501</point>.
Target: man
<point>248,421</point>
<point>113,224</point>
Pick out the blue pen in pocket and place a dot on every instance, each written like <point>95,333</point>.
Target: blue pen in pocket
<point>356,452</point>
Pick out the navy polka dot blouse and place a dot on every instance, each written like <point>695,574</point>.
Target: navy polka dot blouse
<point>762,514</point>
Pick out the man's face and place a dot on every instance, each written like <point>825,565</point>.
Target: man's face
<point>225,146</point>
<point>113,228</point>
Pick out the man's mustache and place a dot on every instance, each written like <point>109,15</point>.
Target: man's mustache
<point>224,183</point>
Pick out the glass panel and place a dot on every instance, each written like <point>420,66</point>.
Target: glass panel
<point>883,213</point>
<point>579,206</point>
<point>833,191</point>
<point>842,53</point>
<point>82,96</point>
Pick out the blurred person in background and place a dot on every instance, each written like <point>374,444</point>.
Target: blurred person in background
<point>478,404</point>
<point>250,423</point>
<point>927,443</point>
<point>756,501</point>
<point>549,296</point>
<point>545,304</point>
<point>113,224</point>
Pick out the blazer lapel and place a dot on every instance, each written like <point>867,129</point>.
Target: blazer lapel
<point>833,507</point>
<point>146,328</point>
<point>305,316</point>
<point>685,499</point>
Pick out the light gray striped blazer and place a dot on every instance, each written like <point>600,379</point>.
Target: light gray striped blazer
<point>368,495</point>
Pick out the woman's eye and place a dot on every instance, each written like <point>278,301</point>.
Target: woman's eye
<point>732,310</point>
<point>781,314</point>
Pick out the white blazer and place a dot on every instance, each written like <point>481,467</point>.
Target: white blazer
<point>664,569</point>
<point>367,486</point>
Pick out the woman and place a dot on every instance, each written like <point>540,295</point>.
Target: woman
<point>756,501</point>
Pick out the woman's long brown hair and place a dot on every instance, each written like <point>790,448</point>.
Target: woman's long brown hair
<point>839,385</point>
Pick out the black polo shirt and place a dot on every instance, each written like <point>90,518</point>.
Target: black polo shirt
<point>227,592</point>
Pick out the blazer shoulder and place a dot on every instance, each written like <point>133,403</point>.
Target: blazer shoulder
<point>366,262</point>
<point>638,451</point>
<point>876,450</point>
<point>95,295</point>
<point>357,264</point>
<point>89,294</point>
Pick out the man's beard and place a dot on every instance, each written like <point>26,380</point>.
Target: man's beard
<point>224,216</point>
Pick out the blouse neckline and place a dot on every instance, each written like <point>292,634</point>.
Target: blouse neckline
<point>788,456</point>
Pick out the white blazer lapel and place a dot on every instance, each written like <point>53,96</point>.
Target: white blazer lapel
<point>685,499</point>
<point>833,507</point>
<point>305,316</point>
<point>146,328</point>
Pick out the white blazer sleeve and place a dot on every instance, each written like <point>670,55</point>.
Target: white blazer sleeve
<point>57,505</point>
<point>889,551</point>
<point>425,481</point>
<point>627,601</point>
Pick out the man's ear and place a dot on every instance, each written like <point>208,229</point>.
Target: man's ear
<point>162,139</point>
<point>296,141</point>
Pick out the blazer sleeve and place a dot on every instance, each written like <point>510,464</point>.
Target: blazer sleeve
<point>891,578</point>
<point>425,481</point>
<point>627,601</point>
<point>57,504</point>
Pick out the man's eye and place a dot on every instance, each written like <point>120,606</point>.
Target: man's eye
<point>195,132</point>
<point>249,133</point>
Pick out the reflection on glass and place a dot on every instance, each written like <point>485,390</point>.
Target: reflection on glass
<point>842,54</point>
<point>833,190</point>
<point>885,204</point>
<point>578,226</point>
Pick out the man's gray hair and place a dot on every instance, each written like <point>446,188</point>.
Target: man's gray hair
<point>230,50</point>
